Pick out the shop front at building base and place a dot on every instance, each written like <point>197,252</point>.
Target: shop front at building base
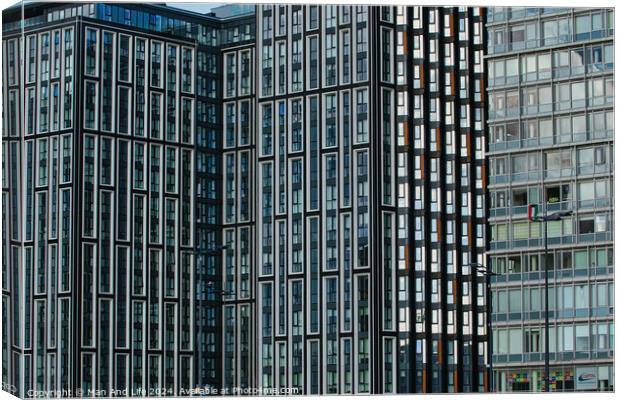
<point>563,379</point>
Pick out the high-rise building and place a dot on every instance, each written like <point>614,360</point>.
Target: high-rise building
<point>354,204</point>
<point>111,196</point>
<point>551,128</point>
<point>285,198</point>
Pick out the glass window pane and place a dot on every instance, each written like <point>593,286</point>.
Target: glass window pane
<point>514,301</point>
<point>582,24</point>
<point>581,296</point>
<point>516,341</point>
<point>568,338</point>
<point>581,259</point>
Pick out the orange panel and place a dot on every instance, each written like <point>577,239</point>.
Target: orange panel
<point>422,165</point>
<point>406,257</point>
<point>456,379</point>
<point>451,24</point>
<point>455,289</point>
<point>421,76</point>
<point>486,381</point>
<point>452,82</point>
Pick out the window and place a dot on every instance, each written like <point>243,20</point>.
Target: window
<point>245,73</point>
<point>282,20</point>
<point>89,188</point>
<point>314,17</point>
<point>330,120</point>
<point>90,105</point>
<point>297,59</point>
<point>346,56</point>
<point>42,173</point>
<point>282,66</point>
<point>124,109</point>
<point>124,61</point>
<point>361,38</point>
<point>107,84</point>
<point>187,112</point>
<point>187,69</point>
<point>68,89</point>
<point>267,69</point>
<point>330,58</point>
<point>156,64</point>
<point>297,125</point>
<point>267,129</point>
<point>313,62</point>
<point>156,115</point>
<point>362,115</point>
<point>12,116</point>
<point>297,16</point>
<point>267,26</point>
<point>582,27</point>
<point>230,121</point>
<point>386,45</point>
<point>559,163</point>
<point>92,51</point>
<point>231,69</point>
<point>43,109</point>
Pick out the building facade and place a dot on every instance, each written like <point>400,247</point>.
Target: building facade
<point>354,201</point>
<point>551,129</point>
<point>111,198</point>
<point>244,211</point>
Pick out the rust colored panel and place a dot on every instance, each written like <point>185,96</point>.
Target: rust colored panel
<point>486,381</point>
<point>406,257</point>
<point>422,76</point>
<point>451,24</point>
<point>452,82</point>
<point>422,165</point>
<point>455,290</point>
<point>456,379</point>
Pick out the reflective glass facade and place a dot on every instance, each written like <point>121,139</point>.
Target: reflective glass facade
<point>551,129</point>
<point>111,142</point>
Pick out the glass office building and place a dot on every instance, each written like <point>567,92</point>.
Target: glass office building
<point>551,128</point>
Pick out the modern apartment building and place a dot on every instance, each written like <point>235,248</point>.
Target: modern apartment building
<point>348,196</point>
<point>354,201</point>
<point>111,188</point>
<point>360,202</point>
<point>551,129</point>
